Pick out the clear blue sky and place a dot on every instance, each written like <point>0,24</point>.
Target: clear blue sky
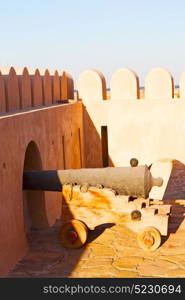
<point>102,34</point>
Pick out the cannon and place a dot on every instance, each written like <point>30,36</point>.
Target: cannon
<point>105,195</point>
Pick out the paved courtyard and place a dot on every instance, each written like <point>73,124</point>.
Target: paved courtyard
<point>111,250</point>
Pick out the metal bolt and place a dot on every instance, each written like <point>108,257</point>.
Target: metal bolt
<point>136,215</point>
<point>148,240</point>
<point>134,162</point>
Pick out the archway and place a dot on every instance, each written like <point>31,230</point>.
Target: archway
<point>33,201</point>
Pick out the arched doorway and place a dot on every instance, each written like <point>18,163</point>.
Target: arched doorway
<point>33,201</point>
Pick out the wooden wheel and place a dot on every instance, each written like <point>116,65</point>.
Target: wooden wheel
<point>73,234</point>
<point>149,239</point>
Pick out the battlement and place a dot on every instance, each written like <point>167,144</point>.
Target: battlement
<point>125,85</point>
<point>22,88</point>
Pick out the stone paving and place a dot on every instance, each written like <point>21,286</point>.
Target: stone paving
<point>111,250</point>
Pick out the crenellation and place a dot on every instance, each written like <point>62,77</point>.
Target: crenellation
<point>52,86</point>
<point>47,88</point>
<point>13,93</point>
<point>37,89</point>
<point>56,92</point>
<point>159,85</point>
<point>67,86</point>
<point>124,85</point>
<point>25,89</point>
<point>91,85</point>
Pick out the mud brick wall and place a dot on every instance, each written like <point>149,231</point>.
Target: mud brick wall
<point>37,131</point>
<point>150,129</point>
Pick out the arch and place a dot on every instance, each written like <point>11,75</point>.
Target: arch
<point>124,84</point>
<point>159,85</point>
<point>33,201</point>
<point>91,85</point>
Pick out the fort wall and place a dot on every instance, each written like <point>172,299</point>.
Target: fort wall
<point>41,128</point>
<point>35,133</point>
<point>149,129</point>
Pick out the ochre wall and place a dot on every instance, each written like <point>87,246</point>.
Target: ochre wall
<point>31,113</point>
<point>149,130</point>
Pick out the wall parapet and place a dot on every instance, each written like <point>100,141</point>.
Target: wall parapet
<point>124,85</point>
<point>23,88</point>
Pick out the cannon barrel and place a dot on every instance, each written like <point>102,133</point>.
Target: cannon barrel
<point>134,181</point>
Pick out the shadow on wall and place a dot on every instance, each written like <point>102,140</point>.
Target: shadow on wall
<point>96,146</point>
<point>176,184</point>
<point>175,194</point>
